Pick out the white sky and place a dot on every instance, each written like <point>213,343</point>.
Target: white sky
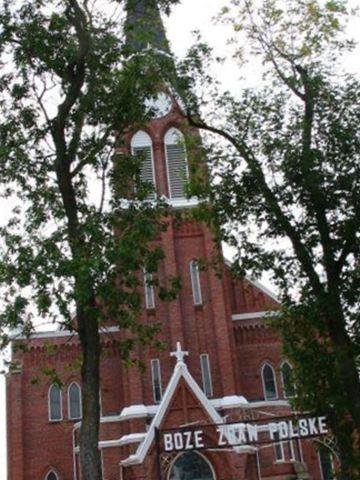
<point>189,16</point>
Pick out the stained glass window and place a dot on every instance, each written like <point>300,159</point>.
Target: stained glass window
<point>55,410</point>
<point>269,382</point>
<point>191,466</point>
<point>74,399</point>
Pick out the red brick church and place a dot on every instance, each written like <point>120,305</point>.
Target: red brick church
<point>222,363</point>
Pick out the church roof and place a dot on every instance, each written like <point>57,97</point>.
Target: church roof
<point>180,372</point>
<point>144,26</point>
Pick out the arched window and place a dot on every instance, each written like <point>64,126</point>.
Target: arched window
<point>156,380</point>
<point>191,465</point>
<point>74,401</point>
<point>55,406</point>
<point>269,382</point>
<point>206,374</point>
<point>51,476</point>
<point>195,282</point>
<point>287,380</point>
<point>141,144</point>
<point>176,162</point>
<point>149,291</point>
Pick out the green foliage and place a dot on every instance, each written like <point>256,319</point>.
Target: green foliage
<point>42,272</point>
<point>74,249</point>
<point>284,189</point>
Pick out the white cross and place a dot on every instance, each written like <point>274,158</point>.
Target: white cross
<point>179,353</point>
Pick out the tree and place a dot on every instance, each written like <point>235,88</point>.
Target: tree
<point>284,190</point>
<point>68,92</point>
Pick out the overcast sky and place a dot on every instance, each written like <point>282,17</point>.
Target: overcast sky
<point>187,17</point>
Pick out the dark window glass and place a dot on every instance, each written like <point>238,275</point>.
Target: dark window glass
<point>195,282</point>
<point>74,401</point>
<point>269,383</point>
<point>51,476</point>
<point>206,375</point>
<point>149,291</point>
<point>191,466</point>
<point>55,412</point>
<point>279,449</point>
<point>156,380</point>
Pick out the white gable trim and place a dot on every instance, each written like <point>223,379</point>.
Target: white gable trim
<point>257,284</point>
<point>262,288</point>
<point>181,371</point>
<point>253,315</point>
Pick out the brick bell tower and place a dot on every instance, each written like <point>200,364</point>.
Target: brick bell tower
<point>201,316</point>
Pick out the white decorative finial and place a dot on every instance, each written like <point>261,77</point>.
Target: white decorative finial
<point>179,353</point>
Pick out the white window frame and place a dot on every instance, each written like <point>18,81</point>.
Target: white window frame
<point>207,361</point>
<point>49,405</point>
<point>283,380</point>
<point>166,143</point>
<point>49,472</point>
<point>280,444</point>
<point>149,291</point>
<point>156,361</point>
<point>292,451</point>
<point>68,401</point>
<point>144,145</point>
<point>195,282</point>
<point>267,364</point>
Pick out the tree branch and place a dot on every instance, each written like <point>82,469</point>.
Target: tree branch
<point>284,222</point>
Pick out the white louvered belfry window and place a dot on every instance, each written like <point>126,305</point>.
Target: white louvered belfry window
<point>156,380</point>
<point>176,162</point>
<point>206,375</point>
<point>149,291</point>
<point>141,144</point>
<point>195,282</point>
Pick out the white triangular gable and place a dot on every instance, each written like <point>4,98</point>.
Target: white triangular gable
<point>180,371</point>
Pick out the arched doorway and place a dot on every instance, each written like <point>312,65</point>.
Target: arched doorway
<point>191,466</point>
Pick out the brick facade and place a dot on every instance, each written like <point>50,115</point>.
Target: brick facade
<point>228,326</point>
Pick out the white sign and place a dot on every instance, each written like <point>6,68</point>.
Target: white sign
<point>245,434</point>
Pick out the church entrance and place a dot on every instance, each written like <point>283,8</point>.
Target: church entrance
<point>191,466</point>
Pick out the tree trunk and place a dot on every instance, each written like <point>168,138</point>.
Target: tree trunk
<point>343,430</point>
<point>345,357</point>
<point>89,433</point>
<point>346,422</point>
<point>88,329</point>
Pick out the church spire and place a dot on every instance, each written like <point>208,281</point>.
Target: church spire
<point>144,27</point>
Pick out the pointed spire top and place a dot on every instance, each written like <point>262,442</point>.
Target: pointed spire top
<point>179,353</point>
<point>144,27</point>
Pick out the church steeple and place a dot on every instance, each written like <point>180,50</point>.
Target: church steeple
<point>144,27</point>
